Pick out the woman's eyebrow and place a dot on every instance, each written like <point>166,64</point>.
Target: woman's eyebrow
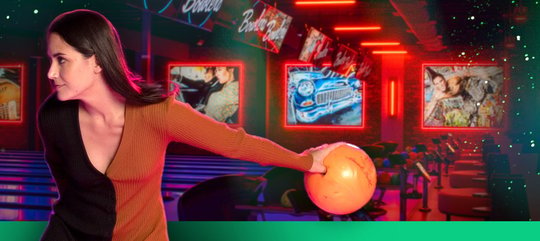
<point>58,54</point>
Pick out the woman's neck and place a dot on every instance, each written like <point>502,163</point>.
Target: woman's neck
<point>104,104</point>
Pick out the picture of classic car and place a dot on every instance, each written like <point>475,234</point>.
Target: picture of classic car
<point>317,94</point>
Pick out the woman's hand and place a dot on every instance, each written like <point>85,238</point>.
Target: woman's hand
<point>319,153</point>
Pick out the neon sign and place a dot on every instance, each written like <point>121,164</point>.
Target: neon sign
<point>263,26</point>
<point>197,13</point>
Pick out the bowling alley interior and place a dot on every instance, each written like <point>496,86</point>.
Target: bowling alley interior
<point>432,105</point>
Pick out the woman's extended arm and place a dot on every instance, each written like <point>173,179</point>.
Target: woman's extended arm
<point>191,127</point>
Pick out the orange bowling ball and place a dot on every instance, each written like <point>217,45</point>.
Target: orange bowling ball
<point>347,185</point>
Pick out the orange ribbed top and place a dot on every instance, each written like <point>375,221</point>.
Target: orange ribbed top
<point>125,203</point>
<point>136,170</point>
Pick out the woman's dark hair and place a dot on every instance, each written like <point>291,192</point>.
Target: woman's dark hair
<point>433,74</point>
<point>211,68</point>
<point>90,33</point>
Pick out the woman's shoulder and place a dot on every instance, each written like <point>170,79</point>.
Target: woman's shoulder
<point>51,105</point>
<point>52,111</point>
<point>160,108</point>
<point>160,104</point>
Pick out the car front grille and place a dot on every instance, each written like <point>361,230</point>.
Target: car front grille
<point>333,95</point>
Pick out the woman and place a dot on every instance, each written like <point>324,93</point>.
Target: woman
<point>452,107</point>
<point>223,104</point>
<point>458,107</point>
<point>203,87</point>
<point>440,91</point>
<point>105,134</point>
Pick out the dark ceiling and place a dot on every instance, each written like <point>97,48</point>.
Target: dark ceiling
<point>363,13</point>
<point>459,28</point>
<point>430,25</point>
<point>457,23</point>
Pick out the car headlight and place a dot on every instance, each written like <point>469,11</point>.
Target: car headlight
<point>306,88</point>
<point>355,84</point>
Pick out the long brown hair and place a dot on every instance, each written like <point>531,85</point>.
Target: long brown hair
<point>90,33</point>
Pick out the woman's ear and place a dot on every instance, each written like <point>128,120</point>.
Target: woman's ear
<point>96,67</point>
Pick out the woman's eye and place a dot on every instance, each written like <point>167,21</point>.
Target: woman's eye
<point>61,60</point>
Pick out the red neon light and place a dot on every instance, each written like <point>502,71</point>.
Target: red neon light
<point>357,28</point>
<point>424,128</point>
<point>240,66</point>
<point>389,52</point>
<point>285,94</point>
<point>22,94</point>
<point>344,2</point>
<point>379,43</point>
<point>392,98</point>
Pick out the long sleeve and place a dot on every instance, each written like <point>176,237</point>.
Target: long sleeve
<point>189,126</point>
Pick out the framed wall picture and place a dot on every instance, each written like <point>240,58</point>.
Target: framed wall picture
<point>465,96</point>
<point>11,94</point>
<point>214,89</point>
<point>319,97</point>
<point>317,48</point>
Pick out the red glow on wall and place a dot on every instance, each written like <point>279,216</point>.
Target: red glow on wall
<point>4,106</point>
<point>389,52</point>
<point>465,129</point>
<point>392,98</point>
<point>285,103</point>
<point>379,43</point>
<point>309,3</point>
<point>357,28</point>
<point>241,77</point>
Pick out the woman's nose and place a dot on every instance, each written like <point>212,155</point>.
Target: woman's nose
<point>53,72</point>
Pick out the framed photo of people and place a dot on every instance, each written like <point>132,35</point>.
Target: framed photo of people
<point>214,89</point>
<point>462,96</point>
<point>320,97</point>
<point>261,25</point>
<point>11,94</point>
<point>344,60</point>
<point>317,48</point>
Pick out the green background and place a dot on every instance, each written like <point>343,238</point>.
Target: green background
<point>328,231</point>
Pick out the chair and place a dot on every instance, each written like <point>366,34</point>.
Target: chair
<point>508,198</point>
<point>489,148</point>
<point>469,178</point>
<point>497,164</point>
<point>282,181</point>
<point>373,151</point>
<point>215,199</point>
<point>472,201</point>
<point>389,147</point>
<point>468,165</point>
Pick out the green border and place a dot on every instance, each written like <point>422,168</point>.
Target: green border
<point>311,231</point>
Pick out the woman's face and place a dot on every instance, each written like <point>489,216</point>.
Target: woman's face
<point>72,74</point>
<point>208,75</point>
<point>224,75</point>
<point>440,84</point>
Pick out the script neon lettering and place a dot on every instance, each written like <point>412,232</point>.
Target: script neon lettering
<point>198,6</point>
<point>250,26</point>
<point>262,25</point>
<point>278,34</point>
<point>341,59</point>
